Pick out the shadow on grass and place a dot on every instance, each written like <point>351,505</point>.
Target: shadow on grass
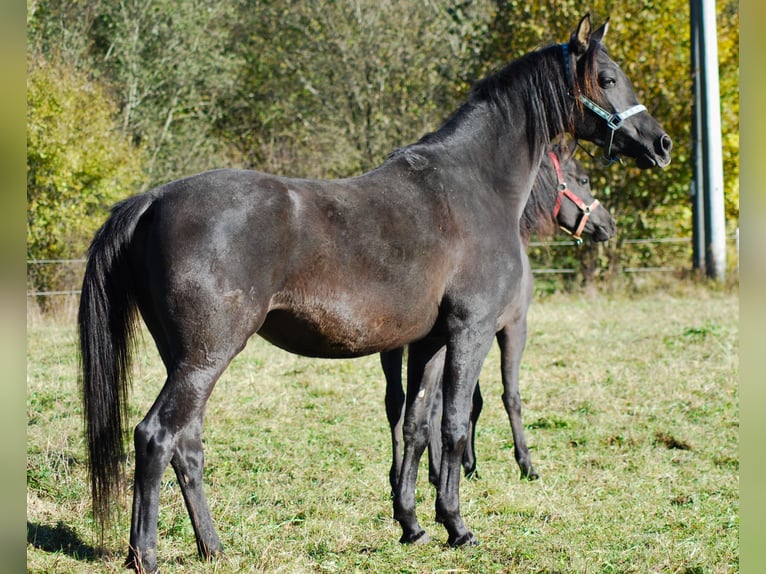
<point>59,538</point>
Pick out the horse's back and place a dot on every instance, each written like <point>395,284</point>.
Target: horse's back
<point>323,268</point>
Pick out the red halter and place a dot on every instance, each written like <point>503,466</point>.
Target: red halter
<point>564,191</point>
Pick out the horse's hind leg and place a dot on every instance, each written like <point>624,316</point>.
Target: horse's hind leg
<point>417,431</point>
<point>391,361</point>
<point>187,462</point>
<point>435,438</point>
<point>435,443</point>
<point>171,432</point>
<point>512,340</point>
<point>469,454</point>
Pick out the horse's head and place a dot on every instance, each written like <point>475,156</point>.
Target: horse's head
<point>607,111</point>
<point>577,212</point>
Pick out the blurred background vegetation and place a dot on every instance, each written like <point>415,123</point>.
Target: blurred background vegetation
<point>124,95</point>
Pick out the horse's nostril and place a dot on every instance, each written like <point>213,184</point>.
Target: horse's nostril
<point>666,143</point>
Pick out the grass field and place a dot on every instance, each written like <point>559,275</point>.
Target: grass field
<point>631,410</point>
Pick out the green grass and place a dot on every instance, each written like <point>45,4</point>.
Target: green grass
<point>631,410</point>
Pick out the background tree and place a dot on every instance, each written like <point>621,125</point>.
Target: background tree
<point>331,88</point>
<point>169,64</point>
<point>652,41</point>
<point>78,163</point>
<point>165,63</point>
<point>327,89</point>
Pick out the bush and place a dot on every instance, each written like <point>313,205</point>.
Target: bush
<point>78,164</point>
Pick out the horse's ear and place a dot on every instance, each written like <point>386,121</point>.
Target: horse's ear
<point>570,146</point>
<point>599,34</point>
<point>565,147</point>
<point>580,39</point>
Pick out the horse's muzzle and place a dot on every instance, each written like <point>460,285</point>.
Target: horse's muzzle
<point>659,156</point>
<point>662,147</point>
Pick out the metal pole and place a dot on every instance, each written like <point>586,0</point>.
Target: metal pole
<point>697,183</point>
<point>715,223</point>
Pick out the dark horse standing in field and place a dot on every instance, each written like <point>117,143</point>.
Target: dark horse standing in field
<point>424,250</point>
<point>560,197</point>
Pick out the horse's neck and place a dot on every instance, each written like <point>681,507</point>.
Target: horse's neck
<point>497,139</point>
<point>499,149</point>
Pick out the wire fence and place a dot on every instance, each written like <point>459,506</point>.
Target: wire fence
<point>564,271</point>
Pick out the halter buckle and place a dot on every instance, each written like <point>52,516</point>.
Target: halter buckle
<point>614,122</point>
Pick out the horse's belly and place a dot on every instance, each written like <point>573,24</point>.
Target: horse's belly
<point>337,331</point>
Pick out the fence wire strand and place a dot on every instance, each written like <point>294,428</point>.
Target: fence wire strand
<point>535,271</point>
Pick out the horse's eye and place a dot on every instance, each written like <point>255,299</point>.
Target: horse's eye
<point>607,82</point>
<point>584,180</point>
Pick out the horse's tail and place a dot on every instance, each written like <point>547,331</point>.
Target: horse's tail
<point>107,321</point>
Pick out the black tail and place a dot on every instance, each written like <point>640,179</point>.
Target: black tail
<point>107,322</point>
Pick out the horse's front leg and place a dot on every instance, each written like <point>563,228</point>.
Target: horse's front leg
<point>466,352</point>
<point>512,340</point>
<point>420,393</point>
<point>391,361</point>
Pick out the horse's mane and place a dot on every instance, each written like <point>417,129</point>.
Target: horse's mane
<point>537,78</point>
<point>537,217</point>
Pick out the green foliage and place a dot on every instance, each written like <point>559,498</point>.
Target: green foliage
<point>170,66</point>
<point>728,56</point>
<point>78,163</point>
<point>651,40</point>
<point>329,89</point>
<point>167,64</point>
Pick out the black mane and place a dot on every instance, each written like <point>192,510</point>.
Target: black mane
<point>539,79</point>
<point>537,217</point>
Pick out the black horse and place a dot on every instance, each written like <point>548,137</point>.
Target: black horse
<point>425,248</point>
<point>561,197</point>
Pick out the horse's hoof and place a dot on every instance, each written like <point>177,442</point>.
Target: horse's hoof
<point>467,539</point>
<point>416,539</point>
<point>214,555</point>
<point>142,564</point>
<point>472,475</point>
<point>530,474</point>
